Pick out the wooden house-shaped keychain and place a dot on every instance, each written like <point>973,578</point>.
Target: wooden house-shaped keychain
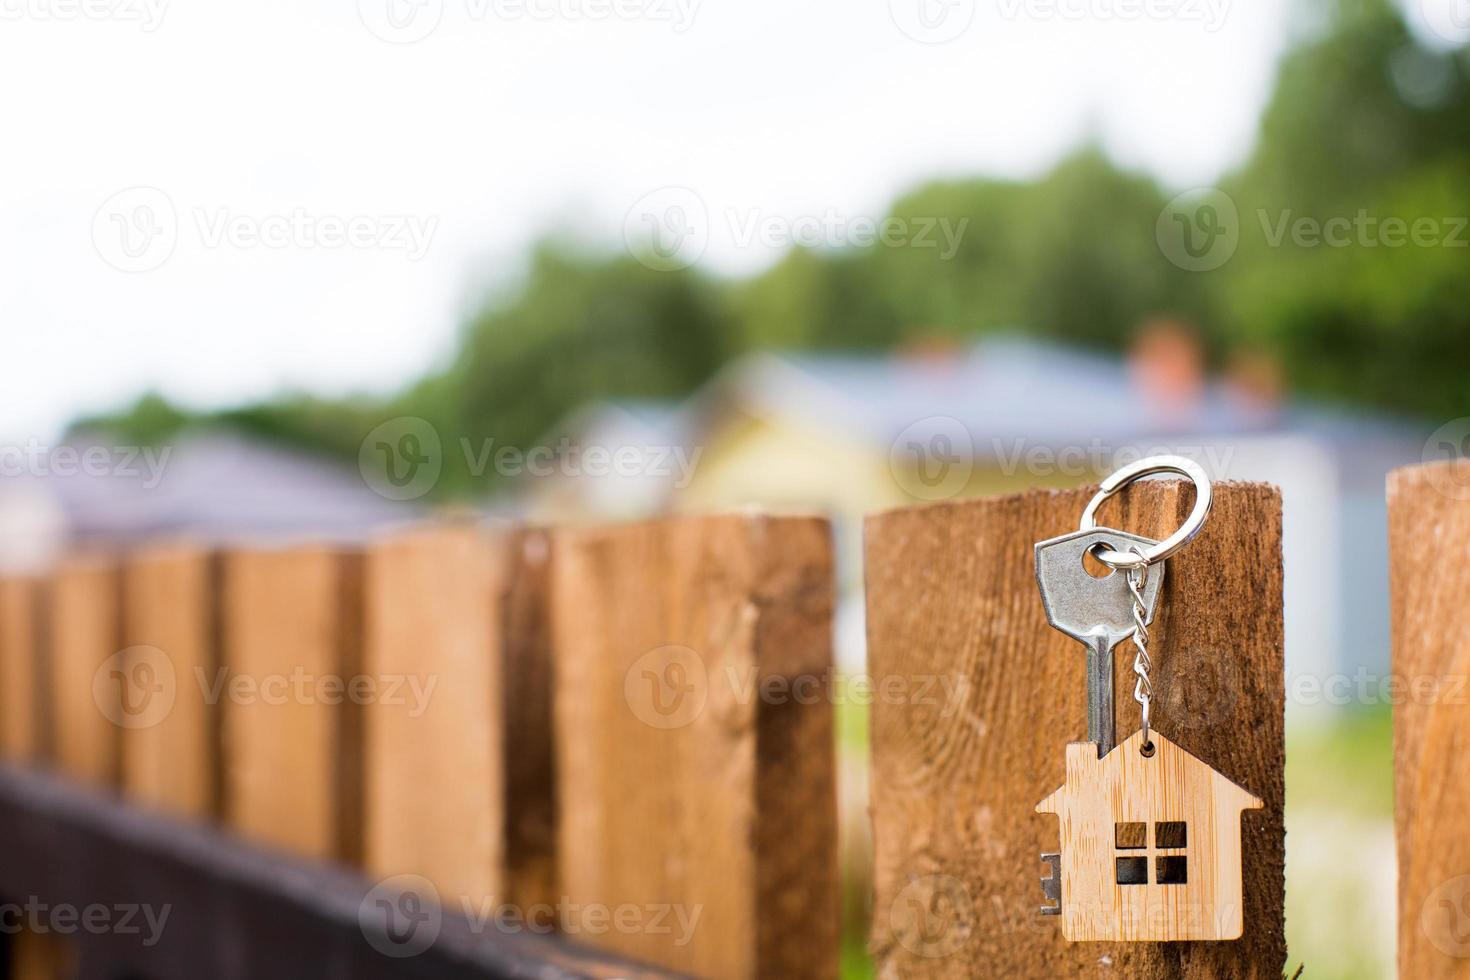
<point>1150,835</point>
<point>1150,845</point>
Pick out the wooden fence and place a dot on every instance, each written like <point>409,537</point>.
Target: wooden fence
<point>569,753</point>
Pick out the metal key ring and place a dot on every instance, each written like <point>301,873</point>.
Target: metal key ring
<point>1203,501</point>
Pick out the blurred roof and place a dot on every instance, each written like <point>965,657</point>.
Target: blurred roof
<point>1007,392</point>
<point>213,486</point>
<point>1008,388</point>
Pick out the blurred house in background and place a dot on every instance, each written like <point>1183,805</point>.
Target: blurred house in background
<point>212,486</point>
<point>850,434</point>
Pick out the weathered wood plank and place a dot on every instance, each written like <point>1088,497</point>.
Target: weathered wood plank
<point>434,776</point>
<point>160,695</point>
<point>1429,536</point>
<point>530,762</point>
<point>27,733</point>
<point>953,606</point>
<point>86,632</point>
<point>292,651</point>
<point>683,788</point>
<point>22,693</point>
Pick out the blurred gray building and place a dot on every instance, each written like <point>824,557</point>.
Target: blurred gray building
<point>850,434</point>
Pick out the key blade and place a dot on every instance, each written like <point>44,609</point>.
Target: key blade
<point>1085,607</point>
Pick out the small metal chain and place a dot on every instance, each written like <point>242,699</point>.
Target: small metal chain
<point>1143,690</point>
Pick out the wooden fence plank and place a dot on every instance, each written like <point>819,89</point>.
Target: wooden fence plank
<point>530,762</point>
<point>685,792</point>
<point>291,743</point>
<point>1429,536</point>
<point>953,606</point>
<point>434,772</point>
<point>24,725</point>
<point>160,692</point>
<point>86,631</point>
<point>21,684</point>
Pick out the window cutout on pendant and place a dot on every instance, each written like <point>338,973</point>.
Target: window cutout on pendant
<point>1171,834</point>
<point>1133,871</point>
<point>1130,836</point>
<point>1173,870</point>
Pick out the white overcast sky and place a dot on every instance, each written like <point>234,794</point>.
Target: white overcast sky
<point>501,122</point>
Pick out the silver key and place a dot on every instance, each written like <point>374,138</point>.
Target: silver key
<point>1097,612</point>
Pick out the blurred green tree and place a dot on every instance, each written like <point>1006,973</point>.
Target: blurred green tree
<point>1366,120</point>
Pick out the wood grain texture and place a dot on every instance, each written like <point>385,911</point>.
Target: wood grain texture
<point>1168,785</point>
<point>434,771</point>
<point>530,762</point>
<point>86,631</point>
<point>1429,536</point>
<point>21,679</point>
<point>291,746</point>
<point>952,595</point>
<point>682,787</point>
<point>170,729</point>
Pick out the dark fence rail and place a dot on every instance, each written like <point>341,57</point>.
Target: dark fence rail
<point>94,870</point>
